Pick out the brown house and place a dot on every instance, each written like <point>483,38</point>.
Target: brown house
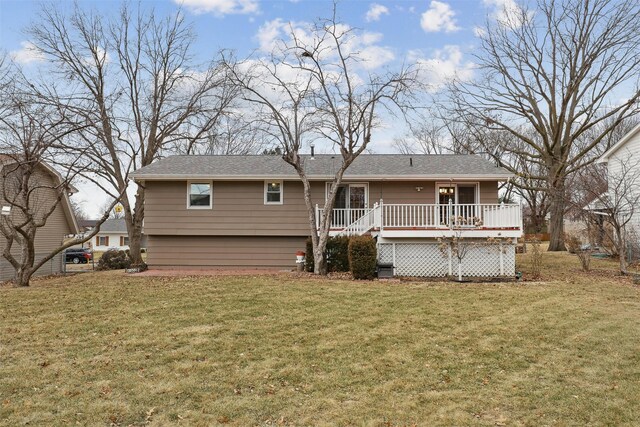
<point>60,223</point>
<point>230,211</point>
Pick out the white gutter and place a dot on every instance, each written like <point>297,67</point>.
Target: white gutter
<point>176,177</point>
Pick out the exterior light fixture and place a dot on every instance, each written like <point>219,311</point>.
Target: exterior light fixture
<point>445,190</point>
<point>419,189</point>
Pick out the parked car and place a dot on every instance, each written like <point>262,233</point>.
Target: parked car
<point>78,255</point>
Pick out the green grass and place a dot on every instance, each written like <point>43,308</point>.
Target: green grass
<point>111,349</point>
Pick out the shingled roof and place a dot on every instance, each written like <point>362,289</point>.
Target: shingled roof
<point>117,225</point>
<point>369,166</point>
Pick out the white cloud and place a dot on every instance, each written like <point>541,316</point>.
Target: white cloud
<point>446,64</point>
<point>439,17</point>
<point>365,44</point>
<point>269,33</point>
<point>27,54</point>
<point>375,12</point>
<point>221,7</point>
<point>506,12</point>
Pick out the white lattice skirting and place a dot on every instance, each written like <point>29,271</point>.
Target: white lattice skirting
<point>427,260</point>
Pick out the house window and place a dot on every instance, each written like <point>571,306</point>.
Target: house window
<point>124,240</point>
<point>102,241</point>
<point>273,192</point>
<point>199,195</point>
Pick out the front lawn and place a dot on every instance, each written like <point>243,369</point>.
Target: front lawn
<point>112,349</point>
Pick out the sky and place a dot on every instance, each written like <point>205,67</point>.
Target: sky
<point>439,34</point>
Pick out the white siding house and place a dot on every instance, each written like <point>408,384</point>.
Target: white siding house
<point>112,235</point>
<point>623,162</point>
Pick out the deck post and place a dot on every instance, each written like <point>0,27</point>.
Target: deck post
<point>381,216</point>
<point>450,261</point>
<point>501,260</point>
<point>393,251</point>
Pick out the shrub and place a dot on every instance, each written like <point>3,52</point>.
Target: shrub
<point>574,245</point>
<point>362,257</point>
<point>114,259</point>
<point>336,254</point>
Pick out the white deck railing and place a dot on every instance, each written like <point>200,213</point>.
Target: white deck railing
<point>451,216</point>
<point>422,216</point>
<point>342,218</point>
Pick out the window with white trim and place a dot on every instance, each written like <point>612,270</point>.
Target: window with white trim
<point>273,192</point>
<point>199,195</point>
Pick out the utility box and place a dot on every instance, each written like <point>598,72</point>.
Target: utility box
<point>385,271</point>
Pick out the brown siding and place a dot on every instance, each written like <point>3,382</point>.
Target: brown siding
<point>239,209</point>
<point>489,192</point>
<point>48,237</point>
<point>402,192</point>
<point>221,251</point>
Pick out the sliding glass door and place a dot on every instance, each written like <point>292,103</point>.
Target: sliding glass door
<point>457,204</point>
<point>351,204</point>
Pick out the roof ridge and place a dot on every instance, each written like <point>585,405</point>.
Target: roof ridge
<point>319,154</point>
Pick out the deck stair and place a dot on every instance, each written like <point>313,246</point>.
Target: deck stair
<point>364,224</point>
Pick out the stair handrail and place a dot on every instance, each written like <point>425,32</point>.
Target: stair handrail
<point>361,225</point>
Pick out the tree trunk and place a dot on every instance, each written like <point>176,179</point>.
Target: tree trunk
<point>319,262</point>
<point>622,238</point>
<point>319,256</point>
<point>27,258</point>
<point>23,276</point>
<point>135,245</point>
<point>134,227</point>
<point>538,223</point>
<point>556,210</point>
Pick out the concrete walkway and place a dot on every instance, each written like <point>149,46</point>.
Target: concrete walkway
<point>212,272</point>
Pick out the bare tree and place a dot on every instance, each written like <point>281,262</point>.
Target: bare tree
<point>430,134</point>
<point>616,199</point>
<point>554,70</point>
<point>311,88</point>
<point>30,190</point>
<point>133,80</point>
<point>78,211</point>
<point>234,134</point>
<point>429,137</point>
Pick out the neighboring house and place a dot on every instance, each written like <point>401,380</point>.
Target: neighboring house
<point>60,224</point>
<point>249,211</point>
<point>112,235</point>
<point>623,163</point>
